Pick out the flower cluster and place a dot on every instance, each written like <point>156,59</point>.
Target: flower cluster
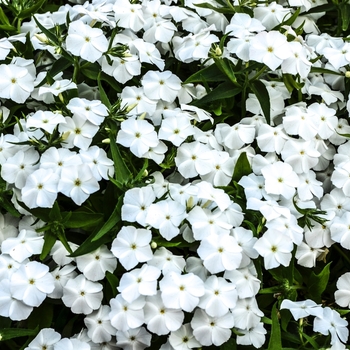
<point>174,175</point>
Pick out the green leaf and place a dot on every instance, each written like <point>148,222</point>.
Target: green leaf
<point>103,95</point>
<point>111,222</point>
<point>10,333</point>
<point>209,74</point>
<point>41,316</point>
<point>316,284</point>
<point>60,66</point>
<point>345,15</point>
<point>122,172</point>
<point>242,167</point>
<point>9,207</point>
<point>3,18</point>
<point>113,282</point>
<point>226,66</point>
<point>311,341</point>
<point>31,10</point>
<point>229,345</point>
<point>324,71</point>
<point>49,241</point>
<point>263,97</point>
<point>51,36</point>
<point>80,219</point>
<point>275,342</point>
<point>227,10</point>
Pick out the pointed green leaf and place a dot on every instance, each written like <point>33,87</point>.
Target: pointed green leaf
<point>311,341</point>
<point>263,97</point>
<point>49,241</point>
<point>275,342</point>
<point>31,10</point>
<point>316,284</point>
<point>103,95</point>
<point>242,167</point>
<point>10,333</point>
<point>113,282</point>
<point>111,222</point>
<point>80,219</point>
<point>226,66</point>
<point>345,15</point>
<point>51,36</point>
<point>209,74</point>
<point>3,18</point>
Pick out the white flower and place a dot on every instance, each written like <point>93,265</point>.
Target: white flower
<point>86,42</point>
<point>302,309</point>
<point>82,295</point>
<point>132,246</point>
<point>183,338</point>
<point>128,15</point>
<point>253,336</point>
<point>134,339</point>
<point>45,339</point>
<point>247,313</point>
<point>181,291</point>
<point>166,261</point>
<point>137,134</point>
<point>31,283</point>
<point>46,120</point>
<point>342,294</point>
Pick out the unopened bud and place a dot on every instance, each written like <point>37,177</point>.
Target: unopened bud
<point>42,38</point>
<point>131,107</point>
<point>347,74</point>
<point>106,141</point>
<point>154,245</point>
<point>65,135</point>
<point>142,116</point>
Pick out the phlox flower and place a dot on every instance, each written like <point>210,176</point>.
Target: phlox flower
<point>61,276</point>
<point>160,319</point>
<point>128,15</point>
<point>276,249</point>
<point>241,24</point>
<point>246,313</point>
<point>125,315</point>
<point>338,54</point>
<point>161,85</point>
<point>56,88</point>
<point>99,325</point>
<point>330,322</point>
<point>341,177</point>
<point>134,339</point>
<point>157,154</point>
<point>253,336</point>
<point>271,139</point>
<point>138,282</point>
<point>11,307</point>
<point>210,330</point>
<point>166,261</point>
<point>79,130</point>
<point>181,291</point>
<point>342,294</point>
<point>254,186</point>
<point>31,283</point>
<point>246,241</point>
<point>71,344</point>
<point>319,236</point>
<point>94,265</point>
<point>195,265</point>
<point>40,189</point>
<point>219,297</point>
<point>96,158</point>
<point>45,120</point>
<point>7,148</point>
<point>307,255</point>
<point>327,120</point>
<point>45,339</point>
<point>78,183</point>
<point>5,48</point>
<point>235,136</point>
<point>309,186</point>
<point>340,230</point>
<point>280,178</point>
<point>147,53</point>
<point>23,246</point>
<point>16,83</point>
<point>94,111</point>
<point>137,134</point>
<point>166,216</point>
<point>60,254</point>
<point>183,338</point>
<point>86,42</point>
<point>162,31</point>
<point>270,48</point>
<point>132,246</point>
<point>272,14</point>
<point>220,253</point>
<point>82,295</point>
<point>8,227</point>
<point>270,209</point>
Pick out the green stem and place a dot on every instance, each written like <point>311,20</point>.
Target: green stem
<point>257,75</point>
<point>341,253</point>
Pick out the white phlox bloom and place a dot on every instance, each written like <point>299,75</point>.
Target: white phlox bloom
<point>161,85</point>
<point>7,148</point>
<point>86,42</point>
<point>338,55</point>
<point>166,261</point>
<point>5,48</point>
<point>342,294</point>
<point>220,296</point>
<point>61,276</point>
<point>23,246</point>
<point>96,158</point>
<point>270,48</point>
<point>8,227</point>
<point>246,313</point>
<point>185,194</point>
<point>81,295</point>
<point>40,189</point>
<point>78,183</point>
<point>210,330</point>
<point>16,83</point>
<point>125,315</point>
<point>11,307</point>
<point>138,282</point>
<point>56,88</point>
<point>132,246</point>
<point>253,336</point>
<point>160,319</point>
<point>340,230</point>
<point>327,120</point>
<point>99,325</point>
<point>181,291</point>
<point>271,139</point>
<point>162,31</point>
<point>94,111</point>
<point>157,154</point>
<point>183,338</point>
<point>341,178</point>
<point>275,247</point>
<point>137,134</point>
<point>79,132</point>
<point>147,53</point>
<point>220,253</point>
<point>60,254</point>
<point>8,266</point>
<point>205,222</point>
<point>134,339</point>
<point>246,281</point>
<point>307,255</point>
<point>280,178</point>
<point>45,339</point>
<point>241,24</point>
<point>195,265</point>
<point>31,283</point>
<point>309,186</point>
<point>17,168</point>
<point>246,241</point>
<point>272,14</point>
<point>319,236</point>
<point>166,216</point>
<point>71,344</point>
<point>46,120</point>
<point>270,209</point>
<point>194,47</point>
<point>330,322</point>
<point>254,186</point>
<point>94,265</point>
<point>235,136</point>
<point>128,15</point>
